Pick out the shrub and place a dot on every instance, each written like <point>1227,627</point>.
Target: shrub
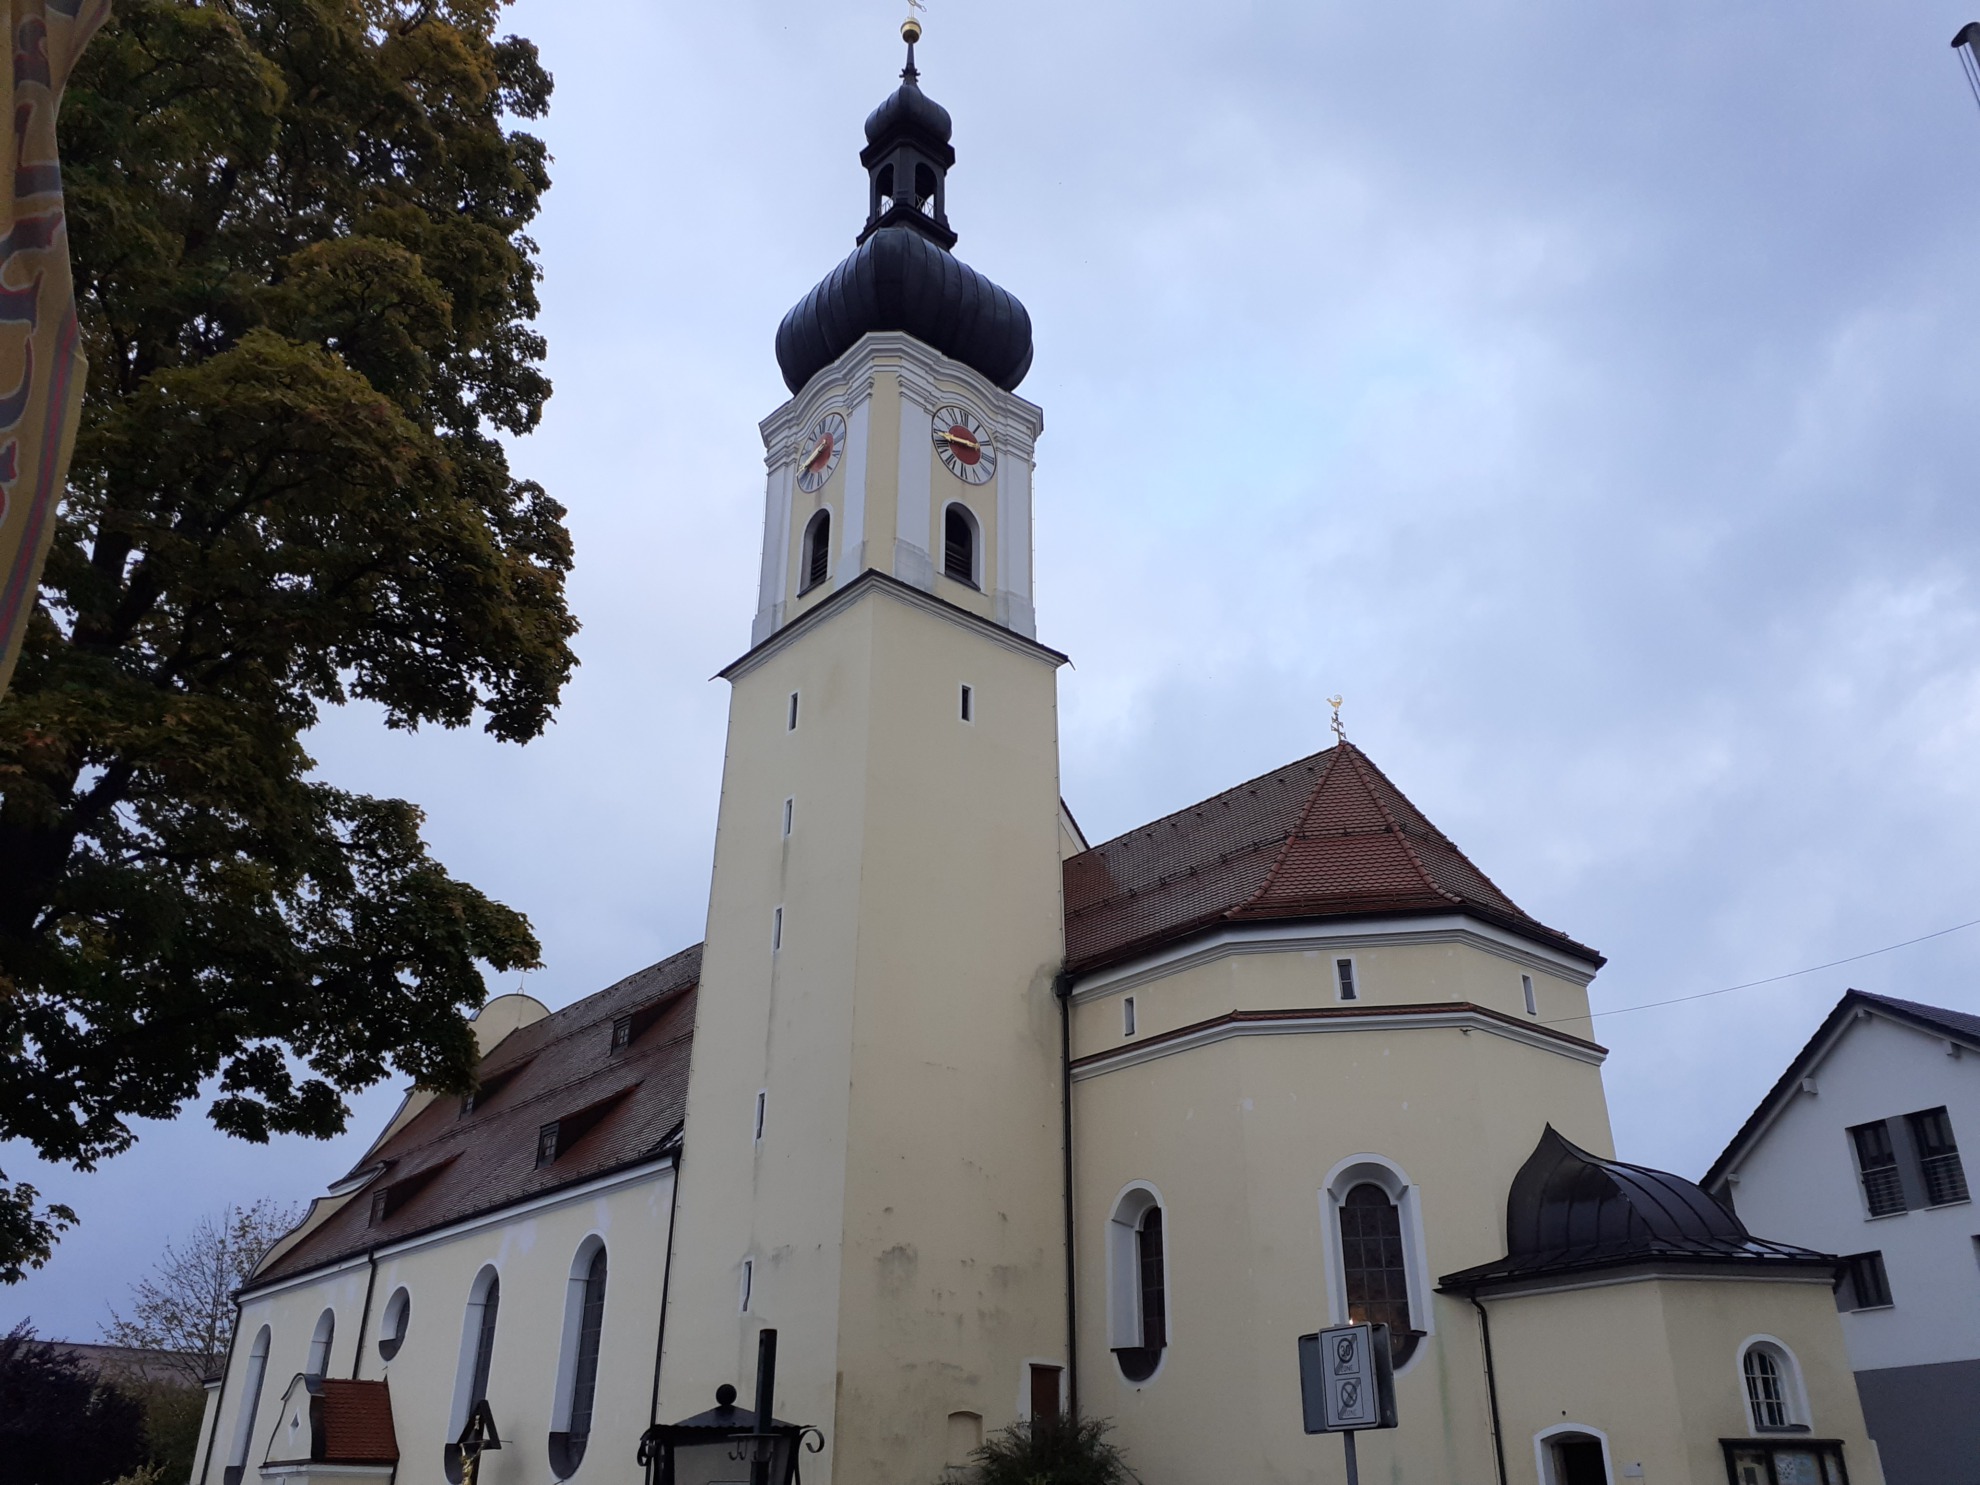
<point>1051,1451</point>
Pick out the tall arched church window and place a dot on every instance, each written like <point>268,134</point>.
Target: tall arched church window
<point>477,1349</point>
<point>1138,1298</point>
<point>1375,1251</point>
<point>577,1373</point>
<point>319,1344</point>
<point>959,545</point>
<point>1774,1401</point>
<point>251,1380</point>
<point>817,550</point>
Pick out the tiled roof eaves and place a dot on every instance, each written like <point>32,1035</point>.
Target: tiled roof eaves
<point>1920,1016</point>
<point>1208,923</point>
<point>1362,1010</point>
<point>1760,1255</point>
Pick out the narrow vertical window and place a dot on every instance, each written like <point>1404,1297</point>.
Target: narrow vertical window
<point>1876,1165</point>
<point>257,1371</point>
<point>398,1316</point>
<point>1154,1298</point>
<point>320,1343</point>
<point>959,545</point>
<point>748,1282</point>
<point>1938,1157</point>
<point>790,720</point>
<point>1127,1016</point>
<point>1344,972</point>
<point>1376,1277</point>
<point>484,1343</point>
<point>968,704</point>
<point>790,810</point>
<point>1138,1284</point>
<point>762,1099</point>
<point>776,929</point>
<point>1772,1398</point>
<point>1045,1393</point>
<point>817,550</point>
<point>577,1383</point>
<point>1526,984</point>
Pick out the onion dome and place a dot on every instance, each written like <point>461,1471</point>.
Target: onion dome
<point>902,276</point>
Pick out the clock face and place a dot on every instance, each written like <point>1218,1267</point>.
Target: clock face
<point>964,444</point>
<point>818,452</point>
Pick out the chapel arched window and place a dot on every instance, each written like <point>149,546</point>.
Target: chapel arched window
<point>1139,1305</point>
<point>959,545</point>
<point>817,550</point>
<point>584,1324</point>
<point>1773,1392</point>
<point>1372,1264</point>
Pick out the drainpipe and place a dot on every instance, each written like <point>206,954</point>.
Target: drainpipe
<point>226,1370</point>
<point>1491,1387</point>
<point>1062,987</point>
<point>666,1281</point>
<point>364,1314</point>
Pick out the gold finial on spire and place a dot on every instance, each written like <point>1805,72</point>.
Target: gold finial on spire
<point>911,27</point>
<point>1340,731</point>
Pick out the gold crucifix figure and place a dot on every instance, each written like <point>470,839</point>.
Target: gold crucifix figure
<point>1340,731</point>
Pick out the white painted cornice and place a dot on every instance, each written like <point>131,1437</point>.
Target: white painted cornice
<point>1298,937</point>
<point>1307,1023</point>
<point>1650,1271</point>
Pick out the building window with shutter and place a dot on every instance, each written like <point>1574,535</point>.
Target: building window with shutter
<point>1938,1157</point>
<point>1344,979</point>
<point>1877,1166</point>
<point>959,545</point>
<point>546,1144</point>
<point>1864,1284</point>
<point>817,551</point>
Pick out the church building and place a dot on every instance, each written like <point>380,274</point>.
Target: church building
<point>992,1125</point>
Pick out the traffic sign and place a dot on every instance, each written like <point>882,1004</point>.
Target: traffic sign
<point>1346,1379</point>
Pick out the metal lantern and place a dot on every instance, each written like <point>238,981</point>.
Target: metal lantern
<point>727,1445</point>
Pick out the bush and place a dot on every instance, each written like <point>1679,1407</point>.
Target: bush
<point>58,1424</point>
<point>1051,1451</point>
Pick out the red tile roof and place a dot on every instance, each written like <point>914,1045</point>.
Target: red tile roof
<point>1326,837</point>
<point>457,1165</point>
<point>357,1423</point>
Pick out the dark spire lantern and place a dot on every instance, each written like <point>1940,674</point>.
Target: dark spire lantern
<point>907,158</point>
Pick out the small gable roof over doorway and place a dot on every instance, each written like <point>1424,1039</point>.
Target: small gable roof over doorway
<point>1570,1212</point>
<point>1325,837</point>
<point>1960,1028</point>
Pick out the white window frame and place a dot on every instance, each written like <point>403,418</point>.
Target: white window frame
<point>1543,1452</point>
<point>1396,1184</point>
<point>322,1341</point>
<point>1131,1205</point>
<point>252,1383</point>
<point>394,1321</point>
<point>1794,1391</point>
<point>805,588</point>
<point>1128,1022</point>
<point>567,1355</point>
<point>1532,996</point>
<point>976,553</point>
<point>1350,994</point>
<point>470,1340</point>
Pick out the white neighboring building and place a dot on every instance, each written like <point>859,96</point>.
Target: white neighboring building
<point>1856,1151</point>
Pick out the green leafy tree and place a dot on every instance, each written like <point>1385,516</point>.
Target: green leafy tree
<point>59,1425</point>
<point>306,292</point>
<point>1051,1451</point>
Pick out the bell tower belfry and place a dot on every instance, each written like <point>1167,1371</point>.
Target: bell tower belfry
<point>872,1160</point>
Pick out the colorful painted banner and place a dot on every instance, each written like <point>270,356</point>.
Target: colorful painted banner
<point>41,365</point>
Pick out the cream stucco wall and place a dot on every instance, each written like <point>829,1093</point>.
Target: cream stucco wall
<point>900,1214</point>
<point>1653,1365</point>
<point>532,1249</point>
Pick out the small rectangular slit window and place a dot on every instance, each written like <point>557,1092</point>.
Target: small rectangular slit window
<point>622,1030</point>
<point>748,1275</point>
<point>1344,972</point>
<point>546,1144</point>
<point>1526,984</point>
<point>776,929</point>
<point>968,704</point>
<point>790,807</point>
<point>762,1097</point>
<point>790,722</point>
<point>1127,1016</point>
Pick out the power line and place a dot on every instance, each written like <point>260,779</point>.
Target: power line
<point>1651,1005</point>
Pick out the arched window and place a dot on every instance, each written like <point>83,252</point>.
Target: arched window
<point>817,550</point>
<point>251,1380</point>
<point>392,1331</point>
<point>1375,1251</point>
<point>1772,1381</point>
<point>1570,1454</point>
<point>319,1344</point>
<point>477,1348</point>
<point>959,545</point>
<point>577,1373</point>
<point>1138,1288</point>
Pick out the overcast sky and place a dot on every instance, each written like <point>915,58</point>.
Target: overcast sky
<point>1588,393</point>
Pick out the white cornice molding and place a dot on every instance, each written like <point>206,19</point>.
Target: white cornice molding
<point>1294,1023</point>
<point>1295,937</point>
<point>873,581</point>
<point>631,1175</point>
<point>1650,1271</point>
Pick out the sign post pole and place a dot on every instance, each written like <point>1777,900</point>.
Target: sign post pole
<point>1354,1474</point>
<point>1346,1384</point>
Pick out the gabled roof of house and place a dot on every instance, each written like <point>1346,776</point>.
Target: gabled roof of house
<point>1570,1212</point>
<point>1958,1026</point>
<point>450,1162</point>
<point>1326,837</point>
<point>357,1423</point>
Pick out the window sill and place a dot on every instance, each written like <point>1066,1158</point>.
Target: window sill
<point>823,582</point>
<point>1963,1201</point>
<point>1886,1216</point>
<point>1869,1309</point>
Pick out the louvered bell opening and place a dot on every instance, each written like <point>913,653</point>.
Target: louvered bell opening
<point>958,547</point>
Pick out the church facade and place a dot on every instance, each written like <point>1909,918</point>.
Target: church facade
<point>991,1124</point>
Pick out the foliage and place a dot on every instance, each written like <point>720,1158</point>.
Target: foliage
<point>173,1413</point>
<point>1051,1451</point>
<point>305,289</point>
<point>185,1306</point>
<point>58,1424</point>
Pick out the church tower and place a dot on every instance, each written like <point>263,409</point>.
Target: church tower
<point>873,1153</point>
